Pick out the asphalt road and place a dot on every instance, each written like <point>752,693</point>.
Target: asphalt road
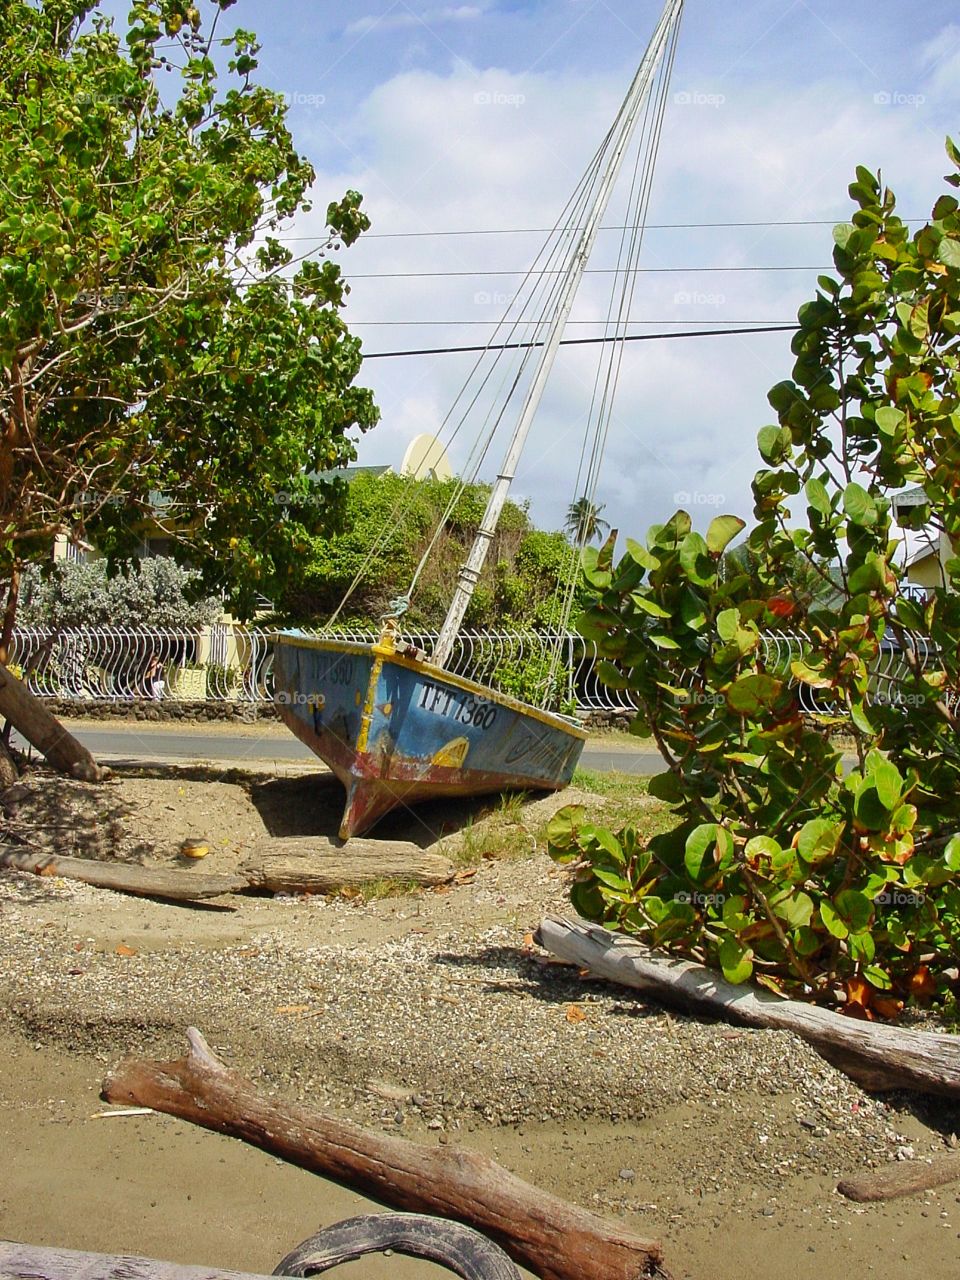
<point>147,745</point>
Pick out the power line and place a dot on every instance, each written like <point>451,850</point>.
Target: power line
<point>587,342</point>
<point>529,231</point>
<point>591,271</point>
<point>447,324</point>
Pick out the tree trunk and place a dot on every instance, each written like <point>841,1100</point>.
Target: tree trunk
<point>554,1239</point>
<point>877,1057</point>
<point>10,614</point>
<point>8,770</point>
<point>30,717</point>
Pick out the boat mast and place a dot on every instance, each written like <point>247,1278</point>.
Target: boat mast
<point>628,115</point>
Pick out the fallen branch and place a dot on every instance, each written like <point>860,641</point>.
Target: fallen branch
<point>904,1178</point>
<point>318,865</point>
<point>145,882</point>
<point>296,866</point>
<point>31,718</point>
<point>554,1239</point>
<point>877,1057</point>
<point>461,1250</point>
<point>36,1262</point>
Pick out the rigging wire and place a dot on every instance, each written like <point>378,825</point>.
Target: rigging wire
<point>609,366</point>
<point>550,282</point>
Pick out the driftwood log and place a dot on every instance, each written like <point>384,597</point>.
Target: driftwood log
<point>36,1262</point>
<point>30,718</point>
<point>464,1252</point>
<point>315,864</point>
<point>877,1057</point>
<point>147,882</point>
<point>554,1239</point>
<point>905,1178</point>
<point>294,866</point>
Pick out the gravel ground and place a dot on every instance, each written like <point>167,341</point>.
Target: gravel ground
<point>433,1016</point>
<point>433,1012</point>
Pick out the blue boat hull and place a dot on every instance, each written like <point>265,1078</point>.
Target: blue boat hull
<point>396,730</point>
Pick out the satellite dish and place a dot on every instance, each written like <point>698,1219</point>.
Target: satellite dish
<point>425,457</point>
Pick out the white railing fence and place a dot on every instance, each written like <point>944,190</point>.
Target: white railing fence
<point>228,663</point>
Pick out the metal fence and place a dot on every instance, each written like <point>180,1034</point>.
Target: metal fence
<point>235,664</point>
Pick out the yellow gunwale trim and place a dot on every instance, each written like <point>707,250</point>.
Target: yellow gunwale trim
<point>436,673</point>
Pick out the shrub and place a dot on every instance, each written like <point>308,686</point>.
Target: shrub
<point>843,886</point>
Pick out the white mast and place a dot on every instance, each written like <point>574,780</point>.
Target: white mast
<point>626,121</point>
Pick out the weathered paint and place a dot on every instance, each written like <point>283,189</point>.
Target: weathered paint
<point>396,730</point>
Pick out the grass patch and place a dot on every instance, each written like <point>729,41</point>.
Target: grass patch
<point>504,832</point>
<point>610,785</point>
<point>620,737</point>
<point>497,836</point>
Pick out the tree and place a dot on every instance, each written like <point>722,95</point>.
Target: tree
<point>152,338</point>
<point>152,593</point>
<point>583,522</point>
<point>843,885</point>
<point>387,526</point>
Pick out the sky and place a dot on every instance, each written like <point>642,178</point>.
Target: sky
<point>481,116</point>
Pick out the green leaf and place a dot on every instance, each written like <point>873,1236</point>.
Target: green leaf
<point>728,624</point>
<point>832,920</point>
<point>861,720</point>
<point>751,694</point>
<point>587,900</point>
<point>870,814</point>
<point>722,531</point>
<point>817,497</point>
<point>854,908</point>
<point>859,506</point>
<point>736,961</point>
<point>761,847</point>
<point>612,676</point>
<point>888,419</point>
<point>695,560</point>
<point>562,832</point>
<point>949,252</point>
<point>889,784</point>
<point>646,559</point>
<point>708,846</point>
<point>818,840</point>
<point>648,605</point>
<point>793,906</point>
<point>951,854</point>
<point>666,787</point>
<point>810,675</point>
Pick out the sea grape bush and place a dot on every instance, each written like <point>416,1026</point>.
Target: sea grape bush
<point>786,865</point>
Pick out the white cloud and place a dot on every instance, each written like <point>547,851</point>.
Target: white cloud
<point>486,148</point>
<point>405,18</point>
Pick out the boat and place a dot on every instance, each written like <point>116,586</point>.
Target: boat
<point>396,725</point>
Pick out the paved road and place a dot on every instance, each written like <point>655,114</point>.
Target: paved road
<point>147,744</point>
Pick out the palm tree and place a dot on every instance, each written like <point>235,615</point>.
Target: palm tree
<point>583,521</point>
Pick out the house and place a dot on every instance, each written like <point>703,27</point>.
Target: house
<point>925,567</point>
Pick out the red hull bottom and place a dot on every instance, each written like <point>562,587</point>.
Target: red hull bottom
<point>376,784</point>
